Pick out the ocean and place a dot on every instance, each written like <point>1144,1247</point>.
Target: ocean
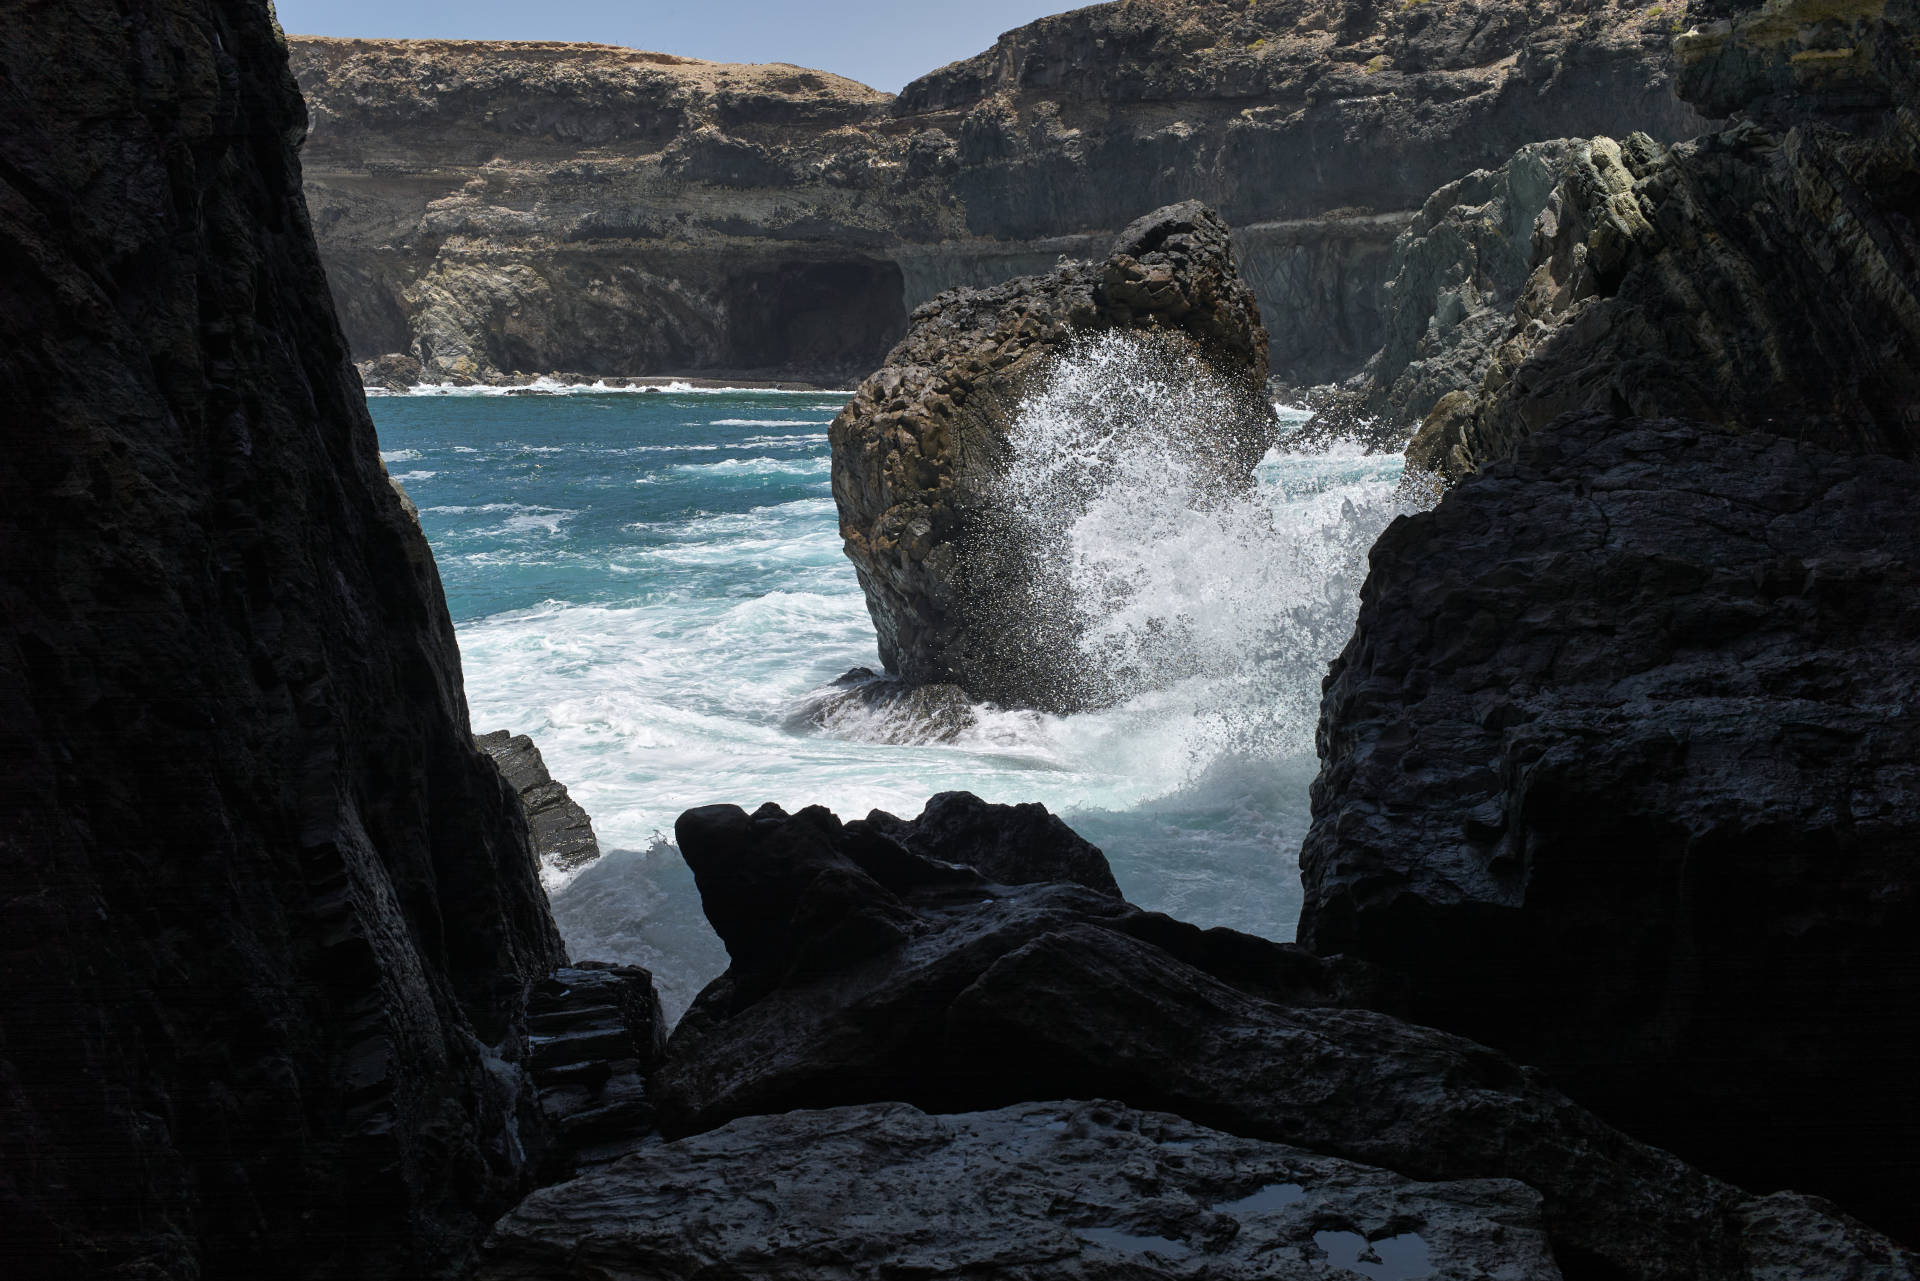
<point>651,585</point>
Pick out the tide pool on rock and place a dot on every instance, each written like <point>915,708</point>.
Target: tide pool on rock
<point>652,586</point>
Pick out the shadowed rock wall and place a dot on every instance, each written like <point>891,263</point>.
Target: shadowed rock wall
<point>267,918</point>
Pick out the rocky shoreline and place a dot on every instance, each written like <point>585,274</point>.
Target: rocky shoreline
<point>1608,970</point>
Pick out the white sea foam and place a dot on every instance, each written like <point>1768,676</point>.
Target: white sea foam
<point>1221,614</point>
<point>764,422</point>
<point>399,455</point>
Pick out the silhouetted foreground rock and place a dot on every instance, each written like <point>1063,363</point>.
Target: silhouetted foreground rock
<point>919,454</point>
<point>865,972</point>
<point>562,833</point>
<point>267,918</point>
<point>1622,770</point>
<point>1056,1190</point>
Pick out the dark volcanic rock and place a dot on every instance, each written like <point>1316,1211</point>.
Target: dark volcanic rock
<point>1764,278</point>
<point>269,917</point>
<point>562,833</point>
<point>597,1031</point>
<point>1044,1190</point>
<point>1622,770</point>
<point>490,207</point>
<point>915,980</point>
<point>959,589</point>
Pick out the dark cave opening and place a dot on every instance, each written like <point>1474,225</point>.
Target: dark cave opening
<point>823,317</point>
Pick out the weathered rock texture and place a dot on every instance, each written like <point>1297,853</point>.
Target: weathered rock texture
<point>1454,276</point>
<point>1622,770</point>
<point>1766,277</point>
<point>562,832</point>
<point>597,1031</point>
<point>267,918</point>
<point>1057,1190</point>
<point>865,972</point>
<point>492,207</point>
<point>960,587</point>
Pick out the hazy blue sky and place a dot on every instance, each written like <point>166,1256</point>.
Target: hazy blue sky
<point>882,42</point>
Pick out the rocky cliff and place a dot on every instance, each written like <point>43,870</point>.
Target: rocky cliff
<point>540,207</point>
<point>269,919</point>
<point>1766,277</point>
<point>1618,767</point>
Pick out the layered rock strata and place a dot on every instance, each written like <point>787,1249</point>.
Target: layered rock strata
<point>541,207</point>
<point>596,1031</point>
<point>959,580</point>
<point>1621,768</point>
<point>562,832</point>
<point>269,917</point>
<point>1766,277</point>
<point>866,972</point>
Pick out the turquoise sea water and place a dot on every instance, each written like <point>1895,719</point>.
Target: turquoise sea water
<point>651,584</point>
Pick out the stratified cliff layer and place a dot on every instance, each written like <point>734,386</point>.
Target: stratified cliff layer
<point>543,207</point>
<point>267,918</point>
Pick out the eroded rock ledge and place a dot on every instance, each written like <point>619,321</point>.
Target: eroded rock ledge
<point>959,588</point>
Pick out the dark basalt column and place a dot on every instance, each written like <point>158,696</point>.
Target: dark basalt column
<point>267,918</point>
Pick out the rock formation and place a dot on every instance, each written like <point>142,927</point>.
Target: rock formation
<point>956,569</point>
<point>1452,280</point>
<point>1763,278</point>
<point>867,971</point>
<point>563,836</point>
<point>541,207</point>
<point>1044,1190</point>
<point>269,917</point>
<point>1619,767</point>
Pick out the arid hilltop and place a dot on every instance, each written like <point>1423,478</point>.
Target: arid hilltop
<point>489,207</point>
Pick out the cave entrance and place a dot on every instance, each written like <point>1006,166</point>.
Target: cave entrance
<point>829,319</point>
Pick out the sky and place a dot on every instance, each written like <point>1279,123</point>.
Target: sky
<point>884,43</point>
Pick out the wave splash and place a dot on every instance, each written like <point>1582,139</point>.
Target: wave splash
<point>1217,605</point>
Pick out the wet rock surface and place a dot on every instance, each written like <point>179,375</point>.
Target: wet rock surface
<point>1070,1190</point>
<point>1620,770</point>
<point>269,917</point>
<point>490,207</point>
<point>958,588</point>
<point>864,972</point>
<point>562,832</point>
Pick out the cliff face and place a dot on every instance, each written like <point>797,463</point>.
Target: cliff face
<point>1619,766</point>
<point>268,917</point>
<point>1765,277</point>
<point>577,207</point>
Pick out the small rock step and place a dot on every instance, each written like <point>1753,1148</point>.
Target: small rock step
<point>598,1031</point>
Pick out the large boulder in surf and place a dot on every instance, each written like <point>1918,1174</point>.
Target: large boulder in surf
<point>1622,770</point>
<point>865,972</point>
<point>959,582</point>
